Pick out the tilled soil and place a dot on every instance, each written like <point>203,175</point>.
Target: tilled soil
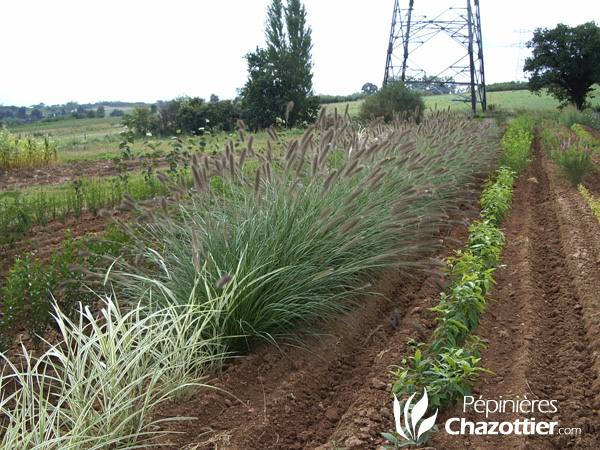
<point>542,328</point>
<point>542,332</point>
<point>17,179</point>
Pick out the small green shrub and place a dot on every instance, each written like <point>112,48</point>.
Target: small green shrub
<point>32,287</point>
<point>593,202</point>
<point>447,375</point>
<point>393,98</point>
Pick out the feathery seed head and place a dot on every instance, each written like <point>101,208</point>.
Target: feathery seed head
<point>105,213</point>
<point>224,281</point>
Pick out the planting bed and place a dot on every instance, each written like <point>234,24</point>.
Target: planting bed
<point>542,333</point>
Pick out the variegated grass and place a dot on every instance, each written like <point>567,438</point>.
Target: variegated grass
<point>97,387</point>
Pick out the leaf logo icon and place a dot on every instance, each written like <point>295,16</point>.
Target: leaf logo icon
<point>415,414</point>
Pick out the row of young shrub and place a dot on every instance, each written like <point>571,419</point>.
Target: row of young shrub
<point>19,212</point>
<point>449,365</point>
<point>571,150</point>
<point>241,257</point>
<point>593,202</point>
<point>32,287</point>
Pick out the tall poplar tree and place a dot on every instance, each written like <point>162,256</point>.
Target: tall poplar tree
<point>279,85</point>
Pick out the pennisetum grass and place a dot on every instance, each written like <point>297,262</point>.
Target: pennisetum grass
<point>302,235</point>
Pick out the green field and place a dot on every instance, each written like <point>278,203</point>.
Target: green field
<point>507,102</point>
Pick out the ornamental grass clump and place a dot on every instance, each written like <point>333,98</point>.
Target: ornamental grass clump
<point>96,387</point>
<point>288,246</point>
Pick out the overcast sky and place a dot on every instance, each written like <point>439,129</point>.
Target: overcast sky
<point>55,51</point>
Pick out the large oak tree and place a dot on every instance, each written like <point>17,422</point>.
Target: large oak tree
<point>566,61</point>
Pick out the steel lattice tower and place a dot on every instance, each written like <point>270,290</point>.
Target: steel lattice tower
<point>442,53</point>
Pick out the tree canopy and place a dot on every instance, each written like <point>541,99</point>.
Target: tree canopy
<point>566,61</point>
<point>279,85</point>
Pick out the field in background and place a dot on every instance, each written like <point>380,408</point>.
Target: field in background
<point>98,139</point>
<point>508,102</point>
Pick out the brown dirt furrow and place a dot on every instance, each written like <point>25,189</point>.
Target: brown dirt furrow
<point>17,179</point>
<point>535,330</point>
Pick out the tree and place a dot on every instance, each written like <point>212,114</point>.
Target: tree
<point>168,116</point>
<point>100,112</point>
<point>191,115</point>
<point>369,88</point>
<point>279,85</point>
<point>142,115</point>
<point>36,114</point>
<point>566,61</point>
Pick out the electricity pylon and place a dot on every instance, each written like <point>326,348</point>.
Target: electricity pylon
<point>454,66</point>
